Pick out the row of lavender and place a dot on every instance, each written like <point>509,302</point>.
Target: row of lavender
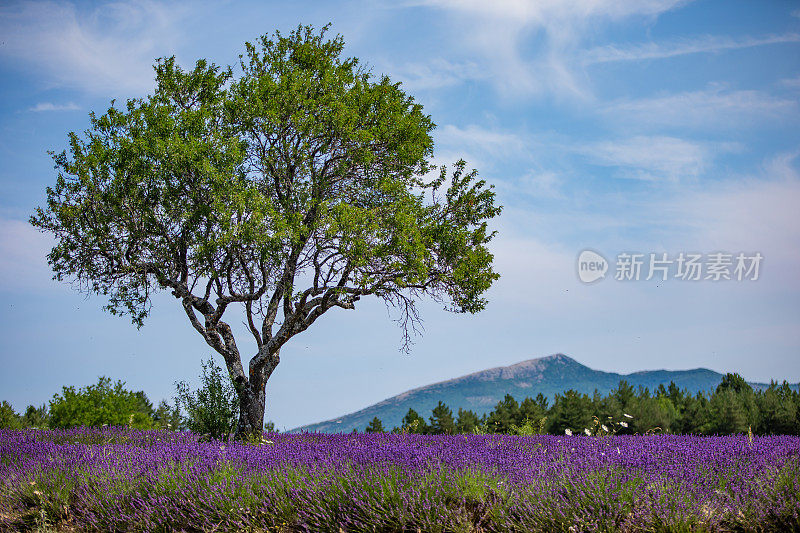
<point>127,480</point>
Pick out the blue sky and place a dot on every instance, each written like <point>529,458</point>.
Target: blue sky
<point>649,126</point>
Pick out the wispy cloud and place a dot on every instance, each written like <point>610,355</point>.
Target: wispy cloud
<point>711,108</point>
<point>758,213</point>
<point>793,83</point>
<point>436,73</point>
<point>107,49</point>
<point>49,106</point>
<point>545,184</point>
<point>704,44</point>
<point>651,158</point>
<point>477,138</point>
<point>500,33</point>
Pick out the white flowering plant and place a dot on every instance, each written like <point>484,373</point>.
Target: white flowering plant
<point>607,427</point>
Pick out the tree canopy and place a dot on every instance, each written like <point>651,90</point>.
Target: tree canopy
<point>302,185</point>
<point>104,403</point>
<point>375,426</point>
<point>733,407</point>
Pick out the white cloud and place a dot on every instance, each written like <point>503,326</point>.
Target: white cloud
<point>793,83</point>
<point>703,44</point>
<point>483,149</point>
<point>545,184</point>
<point>498,32</point>
<point>651,158</point>
<point>539,185</point>
<point>544,11</point>
<point>754,213</point>
<point>107,50</point>
<point>436,74</point>
<point>758,214</point>
<point>49,106</point>
<point>479,139</point>
<point>711,108</point>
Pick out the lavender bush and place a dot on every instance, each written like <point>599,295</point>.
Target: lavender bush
<point>127,480</point>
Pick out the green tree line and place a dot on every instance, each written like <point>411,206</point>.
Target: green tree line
<point>211,410</point>
<point>734,407</point>
<point>104,403</point>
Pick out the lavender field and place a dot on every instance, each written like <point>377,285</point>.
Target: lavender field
<point>126,480</point>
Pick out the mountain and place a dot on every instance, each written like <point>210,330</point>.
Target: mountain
<point>482,390</point>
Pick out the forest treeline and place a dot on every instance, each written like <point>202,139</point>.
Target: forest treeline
<point>212,410</point>
<point>734,407</point>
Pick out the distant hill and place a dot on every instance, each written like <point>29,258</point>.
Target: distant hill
<point>482,390</point>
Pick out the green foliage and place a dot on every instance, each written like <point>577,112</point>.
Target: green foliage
<point>224,189</point>
<point>9,419</point>
<point>413,423</point>
<point>36,417</point>
<point>621,399</point>
<point>730,412</point>
<point>506,413</point>
<point>735,383</point>
<point>467,421</point>
<point>533,408</point>
<point>213,409</point>
<point>375,426</point>
<point>168,417</point>
<point>778,411</point>
<point>442,422</point>
<point>571,410</point>
<point>733,408</point>
<point>530,427</point>
<point>104,403</point>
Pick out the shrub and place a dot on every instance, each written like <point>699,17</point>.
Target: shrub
<point>212,410</point>
<point>9,419</point>
<point>100,404</point>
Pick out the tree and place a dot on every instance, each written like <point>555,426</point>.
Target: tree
<point>728,412</point>
<point>532,410</point>
<point>733,406</point>
<point>734,382</point>
<point>168,417</point>
<point>505,415</point>
<point>295,189</point>
<point>622,396</point>
<point>36,417</point>
<point>571,410</point>
<point>213,409</point>
<point>467,421</point>
<point>777,410</point>
<point>697,416</point>
<point>413,423</point>
<point>101,404</point>
<point>375,426</point>
<point>442,422</point>
<point>651,414</point>
<point>9,419</point>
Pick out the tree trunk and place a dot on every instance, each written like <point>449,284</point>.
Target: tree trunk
<point>252,400</point>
